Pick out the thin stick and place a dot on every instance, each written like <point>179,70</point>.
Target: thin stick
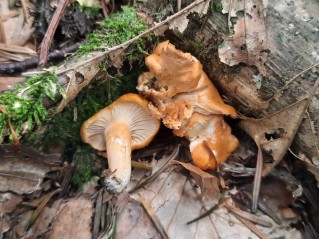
<point>25,11</point>
<point>155,220</point>
<point>248,216</point>
<point>291,80</point>
<point>46,42</point>
<point>157,173</point>
<point>143,34</point>
<point>229,14</point>
<point>257,179</point>
<point>252,227</point>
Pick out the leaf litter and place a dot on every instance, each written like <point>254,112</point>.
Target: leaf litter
<point>248,44</point>
<point>159,194</point>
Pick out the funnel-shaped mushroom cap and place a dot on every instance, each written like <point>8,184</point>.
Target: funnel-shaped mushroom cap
<point>129,108</point>
<point>174,69</point>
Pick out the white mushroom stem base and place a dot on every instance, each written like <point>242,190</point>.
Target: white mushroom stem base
<point>118,149</point>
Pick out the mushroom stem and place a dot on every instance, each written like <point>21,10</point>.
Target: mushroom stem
<point>118,149</point>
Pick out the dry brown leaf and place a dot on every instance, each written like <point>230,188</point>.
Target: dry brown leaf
<point>73,220</point>
<point>307,139</point>
<point>9,201</point>
<point>18,29</point>
<point>275,133</point>
<point>208,183</point>
<point>15,53</point>
<point>19,173</point>
<point>249,42</point>
<point>132,221</point>
<point>181,22</point>
<point>7,83</point>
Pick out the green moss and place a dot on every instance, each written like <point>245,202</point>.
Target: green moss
<point>218,7</point>
<point>63,128</point>
<point>85,159</point>
<point>92,12</point>
<point>117,29</point>
<point>25,102</point>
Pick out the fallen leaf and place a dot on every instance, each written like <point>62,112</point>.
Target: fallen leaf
<point>8,83</point>
<point>19,173</point>
<point>208,183</point>
<point>181,22</point>
<point>74,219</point>
<point>9,201</point>
<point>249,42</point>
<point>17,30</point>
<point>275,132</point>
<point>132,221</point>
<point>40,208</point>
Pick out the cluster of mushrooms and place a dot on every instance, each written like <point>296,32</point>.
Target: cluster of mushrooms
<point>177,91</point>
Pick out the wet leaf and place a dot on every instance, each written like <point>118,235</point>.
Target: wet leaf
<point>7,83</point>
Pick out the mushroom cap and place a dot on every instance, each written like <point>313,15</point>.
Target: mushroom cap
<point>175,71</point>
<point>129,108</point>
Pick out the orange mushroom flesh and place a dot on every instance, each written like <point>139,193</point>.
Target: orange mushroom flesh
<point>123,126</point>
<point>182,95</point>
<point>211,141</point>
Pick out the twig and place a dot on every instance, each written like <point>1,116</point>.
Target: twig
<point>155,220</point>
<point>205,214</point>
<point>252,227</point>
<point>257,179</point>
<point>248,216</point>
<point>157,173</point>
<point>129,42</point>
<point>25,12</point>
<point>46,42</point>
<point>2,33</point>
<point>291,80</point>
<point>10,68</point>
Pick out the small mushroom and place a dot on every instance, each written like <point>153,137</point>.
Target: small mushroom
<point>121,127</point>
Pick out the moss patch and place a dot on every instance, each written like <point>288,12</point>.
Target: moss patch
<point>118,28</point>
<point>25,102</point>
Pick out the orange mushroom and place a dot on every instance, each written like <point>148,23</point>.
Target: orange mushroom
<point>123,126</point>
<point>211,141</point>
<point>182,95</point>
